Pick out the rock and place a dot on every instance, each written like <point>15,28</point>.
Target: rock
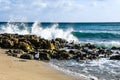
<point>62,42</point>
<point>15,53</point>
<point>101,51</point>
<point>46,44</point>
<point>115,48</point>
<point>82,56</point>
<point>44,56</point>
<point>76,46</point>
<point>7,43</point>
<point>56,44</point>
<point>27,56</point>
<point>63,55</point>
<point>72,52</point>
<point>25,46</point>
<point>90,46</point>
<point>34,40</point>
<point>115,57</point>
<point>18,51</point>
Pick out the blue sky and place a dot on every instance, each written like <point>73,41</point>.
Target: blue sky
<point>60,10</point>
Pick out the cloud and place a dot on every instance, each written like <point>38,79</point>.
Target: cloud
<point>39,4</point>
<point>59,10</point>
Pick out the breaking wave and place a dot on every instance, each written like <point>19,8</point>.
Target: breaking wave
<point>50,32</point>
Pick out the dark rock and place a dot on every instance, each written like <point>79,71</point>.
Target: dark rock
<point>72,52</point>
<point>27,56</point>
<point>7,43</point>
<point>63,55</point>
<point>115,48</point>
<point>62,42</point>
<point>44,56</point>
<point>90,46</point>
<point>115,57</point>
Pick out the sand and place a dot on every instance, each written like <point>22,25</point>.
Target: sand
<point>12,68</point>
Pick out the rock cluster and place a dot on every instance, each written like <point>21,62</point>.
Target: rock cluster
<point>33,47</point>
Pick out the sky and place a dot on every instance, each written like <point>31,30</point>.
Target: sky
<point>60,10</point>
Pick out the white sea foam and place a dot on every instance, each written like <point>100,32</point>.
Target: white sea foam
<point>99,31</point>
<point>50,32</point>
<point>53,32</point>
<point>13,28</point>
<point>107,44</point>
<point>102,69</point>
<point>70,73</point>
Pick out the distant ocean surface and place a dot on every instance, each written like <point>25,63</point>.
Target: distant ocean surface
<point>100,34</point>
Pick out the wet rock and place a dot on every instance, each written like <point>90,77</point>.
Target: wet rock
<point>62,42</point>
<point>115,48</point>
<point>63,55</point>
<point>90,46</point>
<point>82,56</point>
<point>101,51</point>
<point>115,57</point>
<point>72,52</point>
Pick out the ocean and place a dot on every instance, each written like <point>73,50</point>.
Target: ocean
<point>100,34</point>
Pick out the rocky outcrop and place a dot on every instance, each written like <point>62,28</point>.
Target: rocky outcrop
<point>33,47</point>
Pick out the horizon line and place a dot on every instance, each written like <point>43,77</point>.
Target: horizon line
<point>52,22</point>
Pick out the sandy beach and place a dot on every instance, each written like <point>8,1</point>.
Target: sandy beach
<point>12,68</point>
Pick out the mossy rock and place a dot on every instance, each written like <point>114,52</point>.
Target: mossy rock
<point>25,46</point>
<point>45,44</point>
<point>7,43</point>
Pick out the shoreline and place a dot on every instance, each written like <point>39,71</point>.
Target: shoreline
<point>12,68</point>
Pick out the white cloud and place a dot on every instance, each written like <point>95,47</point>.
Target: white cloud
<point>60,10</point>
<point>39,4</point>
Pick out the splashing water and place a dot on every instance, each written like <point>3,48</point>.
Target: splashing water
<point>51,32</point>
